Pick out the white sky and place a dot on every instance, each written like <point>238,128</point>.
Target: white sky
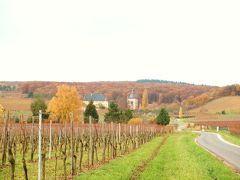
<point>92,40</point>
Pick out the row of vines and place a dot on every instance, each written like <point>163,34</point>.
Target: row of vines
<point>66,150</point>
<point>232,126</point>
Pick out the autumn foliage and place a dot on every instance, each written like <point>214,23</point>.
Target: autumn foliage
<point>1,109</point>
<point>162,93</point>
<point>200,100</point>
<point>135,121</point>
<point>158,93</point>
<point>65,101</point>
<point>145,99</point>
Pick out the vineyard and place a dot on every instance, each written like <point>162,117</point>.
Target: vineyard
<point>60,151</point>
<point>232,126</point>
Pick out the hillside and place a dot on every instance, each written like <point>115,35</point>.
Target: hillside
<point>229,104</point>
<point>16,102</point>
<point>159,93</point>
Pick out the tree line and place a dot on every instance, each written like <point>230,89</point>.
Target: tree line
<point>7,88</point>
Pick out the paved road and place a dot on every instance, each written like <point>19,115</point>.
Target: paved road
<point>227,151</point>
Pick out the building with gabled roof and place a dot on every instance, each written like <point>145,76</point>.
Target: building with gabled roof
<point>99,100</point>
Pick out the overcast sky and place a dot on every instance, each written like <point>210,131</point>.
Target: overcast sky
<point>108,40</point>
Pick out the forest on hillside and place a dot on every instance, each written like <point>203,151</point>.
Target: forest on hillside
<point>159,91</point>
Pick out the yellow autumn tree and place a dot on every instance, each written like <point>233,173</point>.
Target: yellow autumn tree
<point>65,101</point>
<point>145,99</point>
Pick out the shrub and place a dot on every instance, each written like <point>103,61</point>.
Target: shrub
<point>39,104</point>
<point>135,121</point>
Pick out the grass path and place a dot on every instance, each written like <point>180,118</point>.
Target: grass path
<point>141,167</point>
<point>122,167</point>
<point>180,158</point>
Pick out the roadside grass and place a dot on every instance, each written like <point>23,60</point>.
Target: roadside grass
<point>226,135</point>
<point>122,167</point>
<point>235,139</point>
<point>181,158</point>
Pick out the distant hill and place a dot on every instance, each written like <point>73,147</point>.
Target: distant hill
<point>229,104</point>
<point>160,81</point>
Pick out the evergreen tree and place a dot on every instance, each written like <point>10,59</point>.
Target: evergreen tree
<point>91,111</point>
<point>115,114</point>
<point>128,114</point>
<point>163,117</point>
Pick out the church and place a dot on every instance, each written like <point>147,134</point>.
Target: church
<point>132,100</point>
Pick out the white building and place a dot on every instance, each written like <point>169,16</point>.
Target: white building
<point>99,100</point>
<point>132,100</point>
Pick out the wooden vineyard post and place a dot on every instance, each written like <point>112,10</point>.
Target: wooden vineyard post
<point>130,130</point>
<point>112,144</point>
<point>73,163</point>
<point>125,138</point>
<point>50,140</point>
<point>5,142</point>
<point>32,139</point>
<point>137,136</point>
<point>24,149</point>
<point>104,142</point>
<point>10,153</point>
<point>40,146</point>
<point>115,140</point>
<point>91,141</point>
<point>64,152</point>
<point>81,151</point>
<point>119,138</point>
<point>108,141</point>
<point>119,132</point>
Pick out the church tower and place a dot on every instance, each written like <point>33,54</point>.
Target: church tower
<point>132,100</point>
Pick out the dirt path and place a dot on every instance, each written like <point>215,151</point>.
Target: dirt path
<point>141,167</point>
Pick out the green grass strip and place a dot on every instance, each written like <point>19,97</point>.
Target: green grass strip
<point>230,137</point>
<point>122,167</point>
<point>180,158</point>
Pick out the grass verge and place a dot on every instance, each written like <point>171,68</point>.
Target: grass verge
<point>226,135</point>
<point>235,139</point>
<point>122,167</point>
<point>180,158</point>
